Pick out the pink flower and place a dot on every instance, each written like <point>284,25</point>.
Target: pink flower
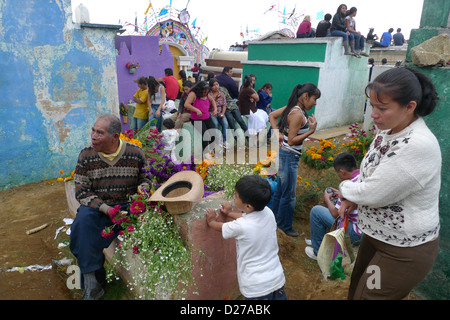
<point>106,233</point>
<point>114,211</point>
<point>137,207</point>
<point>130,229</point>
<point>135,250</point>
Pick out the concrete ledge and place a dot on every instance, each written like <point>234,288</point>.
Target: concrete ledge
<point>330,133</point>
<point>213,258</point>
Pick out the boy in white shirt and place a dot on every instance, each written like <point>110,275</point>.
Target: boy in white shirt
<point>170,137</point>
<point>259,270</point>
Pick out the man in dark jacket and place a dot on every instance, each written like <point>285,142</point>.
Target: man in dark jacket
<point>227,82</point>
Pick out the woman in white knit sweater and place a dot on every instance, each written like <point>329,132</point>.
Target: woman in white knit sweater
<point>398,193</point>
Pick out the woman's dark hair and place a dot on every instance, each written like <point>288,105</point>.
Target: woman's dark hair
<point>267,85</point>
<point>152,85</point>
<point>200,87</point>
<point>339,8</point>
<point>299,89</point>
<point>212,81</point>
<point>247,81</point>
<point>352,10</point>
<point>255,191</point>
<point>404,85</point>
<point>182,75</point>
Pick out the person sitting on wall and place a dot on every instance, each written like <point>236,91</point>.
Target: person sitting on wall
<point>386,39</point>
<point>339,29</point>
<point>323,28</point>
<point>227,82</point>
<point>399,39</point>
<point>358,43</point>
<point>221,104</point>
<point>304,29</point>
<point>172,86</point>
<point>232,113</point>
<point>106,174</point>
<point>183,115</point>
<point>371,37</point>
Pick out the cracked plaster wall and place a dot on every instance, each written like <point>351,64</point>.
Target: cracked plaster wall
<point>55,79</point>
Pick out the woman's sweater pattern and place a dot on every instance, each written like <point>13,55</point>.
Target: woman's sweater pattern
<point>398,193</point>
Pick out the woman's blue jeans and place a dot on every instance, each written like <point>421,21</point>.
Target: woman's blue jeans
<point>283,203</point>
<point>321,220</point>
<point>235,115</point>
<point>223,124</point>
<point>344,35</point>
<point>153,116</point>
<point>359,41</point>
<point>138,124</point>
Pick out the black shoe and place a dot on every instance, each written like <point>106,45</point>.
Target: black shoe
<point>96,293</point>
<point>292,233</point>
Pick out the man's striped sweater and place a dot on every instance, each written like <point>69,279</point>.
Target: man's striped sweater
<point>101,183</point>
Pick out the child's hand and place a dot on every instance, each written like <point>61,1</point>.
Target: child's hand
<point>226,208</point>
<point>211,215</point>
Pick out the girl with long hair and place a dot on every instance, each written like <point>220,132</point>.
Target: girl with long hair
<point>294,126</point>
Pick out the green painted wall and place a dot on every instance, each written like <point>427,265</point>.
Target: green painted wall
<point>288,52</point>
<point>435,15</point>
<point>283,79</point>
<point>436,285</point>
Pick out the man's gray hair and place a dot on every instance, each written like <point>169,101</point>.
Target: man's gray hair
<point>115,125</point>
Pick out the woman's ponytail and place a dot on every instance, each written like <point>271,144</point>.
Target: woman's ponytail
<point>429,95</point>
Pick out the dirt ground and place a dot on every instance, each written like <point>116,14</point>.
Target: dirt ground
<point>34,205</point>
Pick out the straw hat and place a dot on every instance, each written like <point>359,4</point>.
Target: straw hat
<point>180,192</point>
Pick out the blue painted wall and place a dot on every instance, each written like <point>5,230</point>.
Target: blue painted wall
<point>55,78</point>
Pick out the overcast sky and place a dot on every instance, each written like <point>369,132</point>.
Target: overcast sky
<point>222,21</point>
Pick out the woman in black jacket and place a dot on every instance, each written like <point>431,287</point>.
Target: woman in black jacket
<point>339,29</point>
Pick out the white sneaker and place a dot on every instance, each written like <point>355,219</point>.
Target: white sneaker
<point>308,242</point>
<point>310,253</point>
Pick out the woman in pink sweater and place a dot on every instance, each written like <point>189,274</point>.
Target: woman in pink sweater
<point>304,30</point>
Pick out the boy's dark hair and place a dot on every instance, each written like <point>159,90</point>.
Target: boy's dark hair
<point>226,69</point>
<point>168,71</point>
<point>142,80</point>
<point>345,161</point>
<point>255,191</point>
<point>169,124</point>
<point>328,17</point>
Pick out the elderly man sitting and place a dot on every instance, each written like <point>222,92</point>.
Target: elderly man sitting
<point>106,174</point>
